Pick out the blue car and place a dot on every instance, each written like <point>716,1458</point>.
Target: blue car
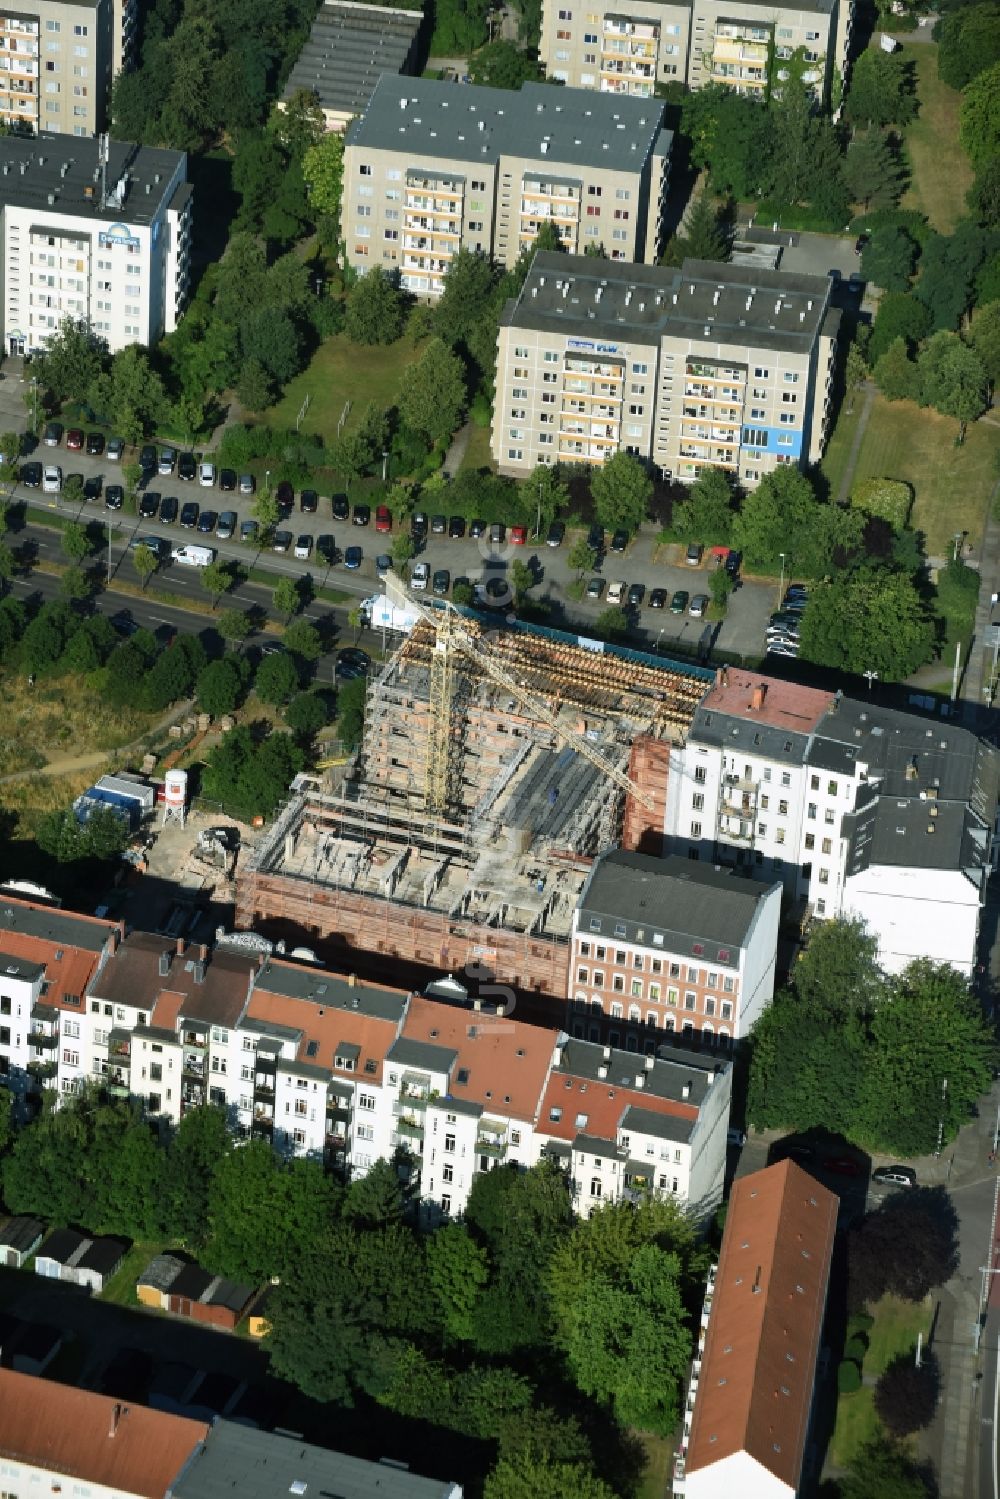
<point>352,557</point>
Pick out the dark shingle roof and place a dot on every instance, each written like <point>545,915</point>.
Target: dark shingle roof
<point>21,1233</point>
<point>349,48</point>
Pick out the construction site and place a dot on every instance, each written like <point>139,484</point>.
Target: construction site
<point>494,765</point>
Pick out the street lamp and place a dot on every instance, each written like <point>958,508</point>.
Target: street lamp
<point>781,585</point>
<point>870,677</point>
<point>385,465</point>
<point>34,402</point>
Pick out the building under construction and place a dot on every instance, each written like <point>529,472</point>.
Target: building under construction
<point>494,766</point>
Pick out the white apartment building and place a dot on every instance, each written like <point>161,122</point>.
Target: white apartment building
<point>710,366</point>
<point>57,62</point>
<point>430,169</point>
<point>670,945</point>
<point>857,809</point>
<point>101,239</point>
<point>627,47</point>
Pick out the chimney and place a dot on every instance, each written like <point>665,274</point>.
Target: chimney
<point>757,700</point>
<point>203,952</point>
<point>649,1063</point>
<point>352,981</point>
<point>557,1057</point>
<point>640,1079</point>
<point>710,1077</point>
<point>602,1073</point>
<point>724,677</point>
<point>686,1090</point>
<point>165,958</point>
<point>116,1416</point>
<point>198,973</point>
<point>179,947</point>
<point>607,1053</point>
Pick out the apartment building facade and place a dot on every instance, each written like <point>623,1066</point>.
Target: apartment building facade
<point>709,366</point>
<point>670,945</point>
<point>856,809</point>
<point>57,63</point>
<point>430,169</point>
<point>102,236</point>
<point>628,48</point>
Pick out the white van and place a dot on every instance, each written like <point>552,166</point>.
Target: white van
<point>192,556</point>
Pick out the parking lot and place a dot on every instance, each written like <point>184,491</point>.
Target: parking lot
<point>337,551</point>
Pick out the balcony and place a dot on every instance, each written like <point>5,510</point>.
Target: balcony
<point>263,1087</point>
<point>410,1129</point>
<point>196,1039</point>
<point>42,1070</point>
<point>492,1146</point>
<point>43,1040</point>
<point>193,1066</point>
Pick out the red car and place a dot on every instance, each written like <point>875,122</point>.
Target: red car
<point>519,536</point>
<point>383,518</point>
<point>74,439</point>
<point>843,1165</point>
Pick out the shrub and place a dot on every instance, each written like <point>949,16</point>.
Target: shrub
<point>906,1397</point>
<point>848,1377</point>
<point>889,499</point>
<point>856,1349</point>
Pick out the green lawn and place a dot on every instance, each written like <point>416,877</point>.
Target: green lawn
<point>941,173</point>
<point>657,1475</point>
<point>477,454</point>
<point>341,371</point>
<point>897,1324</point>
<point>120,1289</point>
<point>951,486</point>
<point>838,449</point>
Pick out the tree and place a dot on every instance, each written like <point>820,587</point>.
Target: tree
<point>906,1396</point>
<point>896,374</point>
<point>984,336</point>
<point>130,396</point>
<point>303,640</point>
<point>907,1247</point>
<point>402,551</point>
<point>704,237</point>
<point>706,512</point>
<point>286,597</point>
<point>75,585</point>
<point>469,287</point>
<point>71,361</point>
<point>255,390</point>
<point>277,679</point>
<point>270,337</point>
<point>882,90</point>
<point>235,626</point>
<point>351,712</point>
<point>899,316</point>
<point>967,43</point>
<point>8,564</point>
<point>217,579</point>
<point>375,1200</point>
<point>248,1238</point>
<point>611,623</point>
<point>778,516</point>
<point>581,557</point>
<point>75,541</point>
<point>458,1271</point>
<point>869,620</point>
<point>266,513</point>
<point>173,674</point>
<point>952,379</point>
<point>376,309</point>
<point>983,196</point>
<point>306,714</point>
<point>201,1142</point>
<point>432,393</point>
<point>145,561</point>
<point>838,972</point>
<point>621,490</point>
<point>888,259</point>
<point>323,172</point>
<point>10,452</point>
<point>102,836</point>
<point>540,1478</point>
<point>502,65</point>
<point>219,686</point>
<point>950,266</point>
<point>872,172</point>
<point>883,1471</point>
<point>249,777</point>
<point>521,579</point>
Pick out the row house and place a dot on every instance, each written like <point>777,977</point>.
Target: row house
<point>670,945</point>
<point>855,808</point>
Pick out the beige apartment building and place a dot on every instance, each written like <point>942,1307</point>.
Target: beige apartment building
<point>709,366</point>
<point>628,46</point>
<point>431,168</point>
<point>57,60</point>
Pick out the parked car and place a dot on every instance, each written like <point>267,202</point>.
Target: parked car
<point>418,525</point>
<point>441,582</point>
<point>167,461</point>
<point>736,1137</point>
<point>309,502</point>
<point>456,527</point>
<point>246,485</point>
<point>419,577</point>
<point>303,547</point>
<point>595,588</point>
<point>206,475</point>
<point>383,518</point>
<point>187,468</point>
<point>616,591</point>
<point>92,487</point>
<point>326,549</point>
<point>285,496</point>
<point>519,536</point>
<point>189,514</point>
<point>168,509</point>
<point>31,475</point>
<point>733,564</point>
<point>781,648</point>
<point>149,503</point>
<point>207,521</point>
<point>154,543</point>
<point>52,436</point>
<point>636,594</point>
<point>227,480</point>
<point>557,531</point>
<point>383,565</point>
<point>362,515</point>
<point>595,538</point>
<point>95,444</point>
<point>226,528</point>
<point>116,450</point>
<point>658,598</point>
<point>842,1165</point>
<point>860,243</point>
<point>282,541</point>
<point>895,1176</point>
<point>52,479</point>
<point>497,532</point>
<point>114,497</point>
<point>619,541</point>
<point>249,530</point>
<point>694,553</point>
<point>439,525</point>
<point>477,528</point>
<point>74,440</point>
<point>698,605</point>
<point>351,663</point>
<point>124,622</point>
<point>341,509</point>
<point>353,558</point>
<point>147,458</point>
<point>679,601</point>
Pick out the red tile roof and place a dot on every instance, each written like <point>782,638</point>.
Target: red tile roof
<point>328,1026</point>
<point>69,974</point>
<point>767,700</point>
<point>506,1060</point>
<point>602,1102</point>
<point>759,1361</point>
<point>77,1434</point>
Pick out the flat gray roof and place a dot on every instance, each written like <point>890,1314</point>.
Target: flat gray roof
<point>20,968</point>
<point>349,48</point>
<point>236,1459</point>
<point>64,928</point>
<point>673,1069</point>
<point>32,170</point>
<point>683,901</point>
<point>730,304</point>
<point>424,119</point>
<point>330,990</point>
<point>423,1055</point>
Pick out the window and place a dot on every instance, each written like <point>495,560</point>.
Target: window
<point>786,779</point>
<point>595,1186</point>
<point>810,841</point>
<point>618,983</point>
<point>811,811</point>
<point>448,1174</point>
<point>827,847</point>
<point>782,808</point>
<point>690,1000</point>
<point>824,876</point>
<point>760,374</point>
<point>829,818</point>
<point>696,830</point>
<point>636,988</point>
<point>366,1101</point>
